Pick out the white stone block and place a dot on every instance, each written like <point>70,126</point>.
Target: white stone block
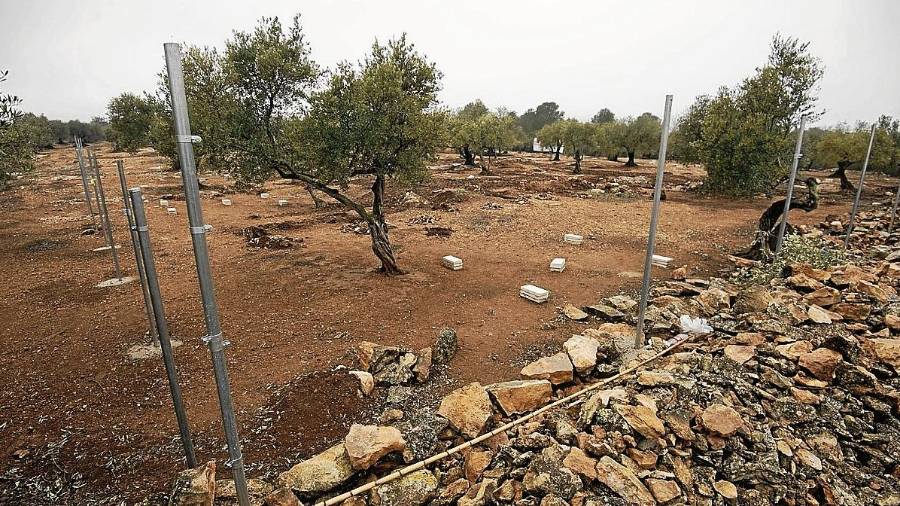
<point>226,202</point>
<point>573,239</point>
<point>451,262</point>
<point>558,265</point>
<point>172,210</point>
<point>534,293</point>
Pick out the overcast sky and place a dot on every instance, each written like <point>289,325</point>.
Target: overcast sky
<point>68,58</point>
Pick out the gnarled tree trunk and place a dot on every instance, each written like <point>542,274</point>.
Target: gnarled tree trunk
<point>378,230</point>
<point>841,173</point>
<point>577,162</point>
<point>630,162</point>
<point>556,151</point>
<point>468,155</point>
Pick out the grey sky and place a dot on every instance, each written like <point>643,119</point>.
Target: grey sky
<point>67,59</point>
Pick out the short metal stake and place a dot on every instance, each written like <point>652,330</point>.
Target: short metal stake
<point>859,189</point>
<point>140,219</point>
<point>214,337</point>
<point>790,186</point>
<point>135,243</point>
<point>654,219</point>
<point>107,228</point>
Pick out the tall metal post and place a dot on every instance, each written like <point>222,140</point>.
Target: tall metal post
<point>862,179</point>
<point>135,243</point>
<point>140,219</point>
<point>201,256</point>
<point>107,228</point>
<point>894,210</point>
<point>654,219</point>
<point>790,185</point>
<point>84,179</point>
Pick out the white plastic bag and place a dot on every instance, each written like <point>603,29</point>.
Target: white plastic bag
<point>697,326</point>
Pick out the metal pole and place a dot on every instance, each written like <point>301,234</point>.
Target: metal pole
<point>137,203</point>
<point>894,210</point>
<point>135,243</point>
<point>84,179</point>
<point>107,228</point>
<point>201,256</point>
<point>654,219</point>
<point>862,179</point>
<point>790,186</point>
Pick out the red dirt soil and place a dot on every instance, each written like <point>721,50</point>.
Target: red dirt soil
<point>81,421</point>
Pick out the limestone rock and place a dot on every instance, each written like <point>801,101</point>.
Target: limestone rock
<point>885,350</point>
<point>582,352</point>
<point>623,482</point>
<point>414,489</point>
<point>578,461</point>
<point>825,296</point>
<point>365,444</point>
<point>282,497</point>
<point>520,396</point>
<point>556,368</point>
<point>445,347</point>
<point>721,420</point>
<point>475,463</point>
<point>226,493</point>
<point>853,312</point>
<point>468,409</point>
<point>195,487</point>
<point>320,473</point>
<point>755,299</point>
<point>739,353</point>
<point>663,490</point>
<point>481,494</point>
<point>642,419</point>
<point>821,362</point>
<point>366,382</point>
<point>547,475</point>
<point>422,369</point>
<point>726,489</point>
<point>573,313</point>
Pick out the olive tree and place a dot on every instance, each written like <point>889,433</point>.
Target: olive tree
<point>488,133</point>
<point>16,152</point>
<point>746,134</point>
<point>551,135</point>
<point>130,118</point>
<point>377,119</point>
<point>639,135</point>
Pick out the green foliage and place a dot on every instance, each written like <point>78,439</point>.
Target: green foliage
<point>744,135</point>
<point>379,117</point>
<point>16,148</point>
<point>551,135</point>
<point>535,119</point>
<point>825,148</point>
<point>130,119</point>
<point>36,131</point>
<point>797,249</point>
<point>640,135</point>
<point>603,116</point>
<point>477,130</point>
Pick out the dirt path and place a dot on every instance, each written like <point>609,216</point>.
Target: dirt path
<point>76,407</point>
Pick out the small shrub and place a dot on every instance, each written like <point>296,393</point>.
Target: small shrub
<point>797,249</point>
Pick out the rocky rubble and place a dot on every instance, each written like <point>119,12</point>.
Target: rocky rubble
<point>793,399</point>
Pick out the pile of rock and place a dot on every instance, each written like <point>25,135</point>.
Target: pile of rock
<point>396,365</point>
<point>794,399</point>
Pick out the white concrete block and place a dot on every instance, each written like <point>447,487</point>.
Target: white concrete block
<point>558,265</point>
<point>264,195</point>
<point>573,239</point>
<point>282,202</point>
<point>451,262</point>
<point>172,210</point>
<point>163,203</point>
<point>226,202</point>
<point>534,293</point>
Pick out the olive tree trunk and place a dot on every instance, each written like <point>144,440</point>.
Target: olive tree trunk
<point>378,230</point>
<point>630,162</point>
<point>556,151</point>
<point>468,155</point>
<point>577,162</point>
<point>841,173</point>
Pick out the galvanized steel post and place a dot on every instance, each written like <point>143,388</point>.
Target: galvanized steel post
<point>140,220</point>
<point>107,228</point>
<point>654,219</point>
<point>135,243</point>
<point>214,336</point>
<point>862,179</point>
<point>790,186</point>
<point>84,179</point>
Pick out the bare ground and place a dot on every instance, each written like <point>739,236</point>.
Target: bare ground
<point>82,422</point>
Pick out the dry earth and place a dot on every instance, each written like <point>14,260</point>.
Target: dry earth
<point>82,421</point>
